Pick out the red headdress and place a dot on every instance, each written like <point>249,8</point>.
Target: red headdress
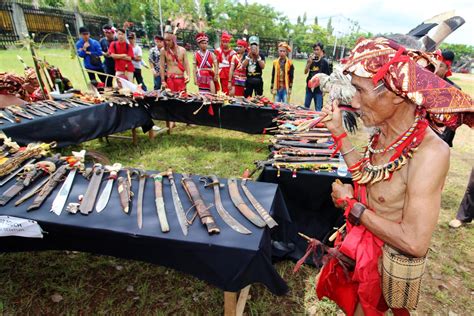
<point>243,43</point>
<point>226,37</point>
<point>200,37</point>
<point>404,72</point>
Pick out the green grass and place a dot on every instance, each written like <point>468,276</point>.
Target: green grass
<point>91,284</point>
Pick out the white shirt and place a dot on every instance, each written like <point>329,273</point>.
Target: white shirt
<point>137,51</point>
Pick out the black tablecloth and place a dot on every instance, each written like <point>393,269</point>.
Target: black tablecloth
<point>229,260</point>
<point>308,199</point>
<point>236,117</point>
<point>80,124</point>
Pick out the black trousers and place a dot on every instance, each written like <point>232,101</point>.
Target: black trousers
<point>92,77</point>
<point>253,84</point>
<point>137,74</point>
<point>466,209</point>
<point>110,70</point>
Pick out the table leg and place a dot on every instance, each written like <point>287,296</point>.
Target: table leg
<point>134,137</point>
<point>168,125</point>
<point>234,307</point>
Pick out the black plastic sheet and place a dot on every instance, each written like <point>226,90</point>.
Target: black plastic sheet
<point>308,199</point>
<point>229,260</point>
<point>77,125</point>
<point>251,120</point>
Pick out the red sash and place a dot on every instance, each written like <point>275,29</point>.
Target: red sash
<point>175,58</point>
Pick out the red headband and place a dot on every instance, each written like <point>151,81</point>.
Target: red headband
<point>200,37</point>
<point>226,37</point>
<point>243,43</point>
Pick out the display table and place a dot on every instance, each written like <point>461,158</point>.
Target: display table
<point>76,125</point>
<point>308,199</point>
<point>229,260</point>
<point>251,120</point>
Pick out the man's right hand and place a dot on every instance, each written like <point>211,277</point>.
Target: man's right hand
<point>310,59</point>
<point>164,85</point>
<point>334,125</point>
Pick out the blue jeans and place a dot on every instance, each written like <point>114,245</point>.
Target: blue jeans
<point>317,96</point>
<point>157,83</point>
<point>281,96</point>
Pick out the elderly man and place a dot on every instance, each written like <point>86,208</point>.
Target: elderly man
<point>395,202</point>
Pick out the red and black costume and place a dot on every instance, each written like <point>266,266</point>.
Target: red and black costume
<point>204,66</point>
<point>224,58</point>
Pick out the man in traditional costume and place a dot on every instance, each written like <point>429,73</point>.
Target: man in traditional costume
<point>282,74</point>
<point>238,73</point>
<point>174,66</point>
<point>395,202</point>
<point>205,66</point>
<point>224,56</point>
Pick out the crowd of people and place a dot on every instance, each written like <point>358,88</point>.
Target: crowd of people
<point>236,72</point>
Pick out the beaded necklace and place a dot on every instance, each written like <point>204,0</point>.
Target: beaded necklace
<point>364,172</point>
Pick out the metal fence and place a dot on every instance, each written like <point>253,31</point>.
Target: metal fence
<point>46,23</point>
<point>7,29</point>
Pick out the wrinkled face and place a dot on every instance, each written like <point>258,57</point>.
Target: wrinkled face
<point>203,45</point>
<point>373,102</point>
<point>282,52</point>
<point>442,70</point>
<point>169,40</point>
<point>121,36</point>
<point>85,36</point>
<point>317,51</point>
<point>159,43</point>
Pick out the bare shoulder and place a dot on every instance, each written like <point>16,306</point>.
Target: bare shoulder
<point>431,157</point>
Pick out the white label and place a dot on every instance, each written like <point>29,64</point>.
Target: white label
<point>14,226</point>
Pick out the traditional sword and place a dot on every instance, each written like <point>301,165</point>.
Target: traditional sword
<point>213,181</point>
<point>75,162</point>
<point>160,203</point>
<point>92,190</point>
<point>105,195</point>
<point>125,191</point>
<point>141,190</point>
<point>177,204</point>
<point>17,171</point>
<point>260,209</point>
<point>46,190</point>
<point>202,209</point>
<point>33,191</point>
<point>240,204</point>
<point>32,173</point>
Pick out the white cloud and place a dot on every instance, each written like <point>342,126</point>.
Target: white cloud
<point>377,16</point>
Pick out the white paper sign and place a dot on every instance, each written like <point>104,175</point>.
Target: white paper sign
<point>14,226</point>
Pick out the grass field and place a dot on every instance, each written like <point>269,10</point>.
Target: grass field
<point>92,284</point>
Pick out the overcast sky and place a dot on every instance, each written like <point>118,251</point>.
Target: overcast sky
<point>377,16</point>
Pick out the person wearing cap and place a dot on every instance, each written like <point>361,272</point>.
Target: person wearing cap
<point>396,199</point>
<point>89,49</point>
<point>282,74</point>
<point>316,64</point>
<point>122,53</point>
<point>154,60</point>
<point>137,60</point>
<point>109,64</point>
<point>205,66</point>
<point>238,74</point>
<point>254,63</point>
<point>224,56</point>
<point>174,66</point>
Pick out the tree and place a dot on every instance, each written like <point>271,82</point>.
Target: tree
<point>329,27</point>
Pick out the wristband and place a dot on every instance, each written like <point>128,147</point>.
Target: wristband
<point>337,143</point>
<point>355,213</point>
<point>347,152</point>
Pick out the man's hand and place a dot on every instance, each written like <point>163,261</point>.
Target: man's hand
<point>341,191</point>
<point>335,123</point>
<point>310,59</point>
<point>274,92</point>
<point>86,45</point>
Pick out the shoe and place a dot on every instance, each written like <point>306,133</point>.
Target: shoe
<point>455,223</point>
